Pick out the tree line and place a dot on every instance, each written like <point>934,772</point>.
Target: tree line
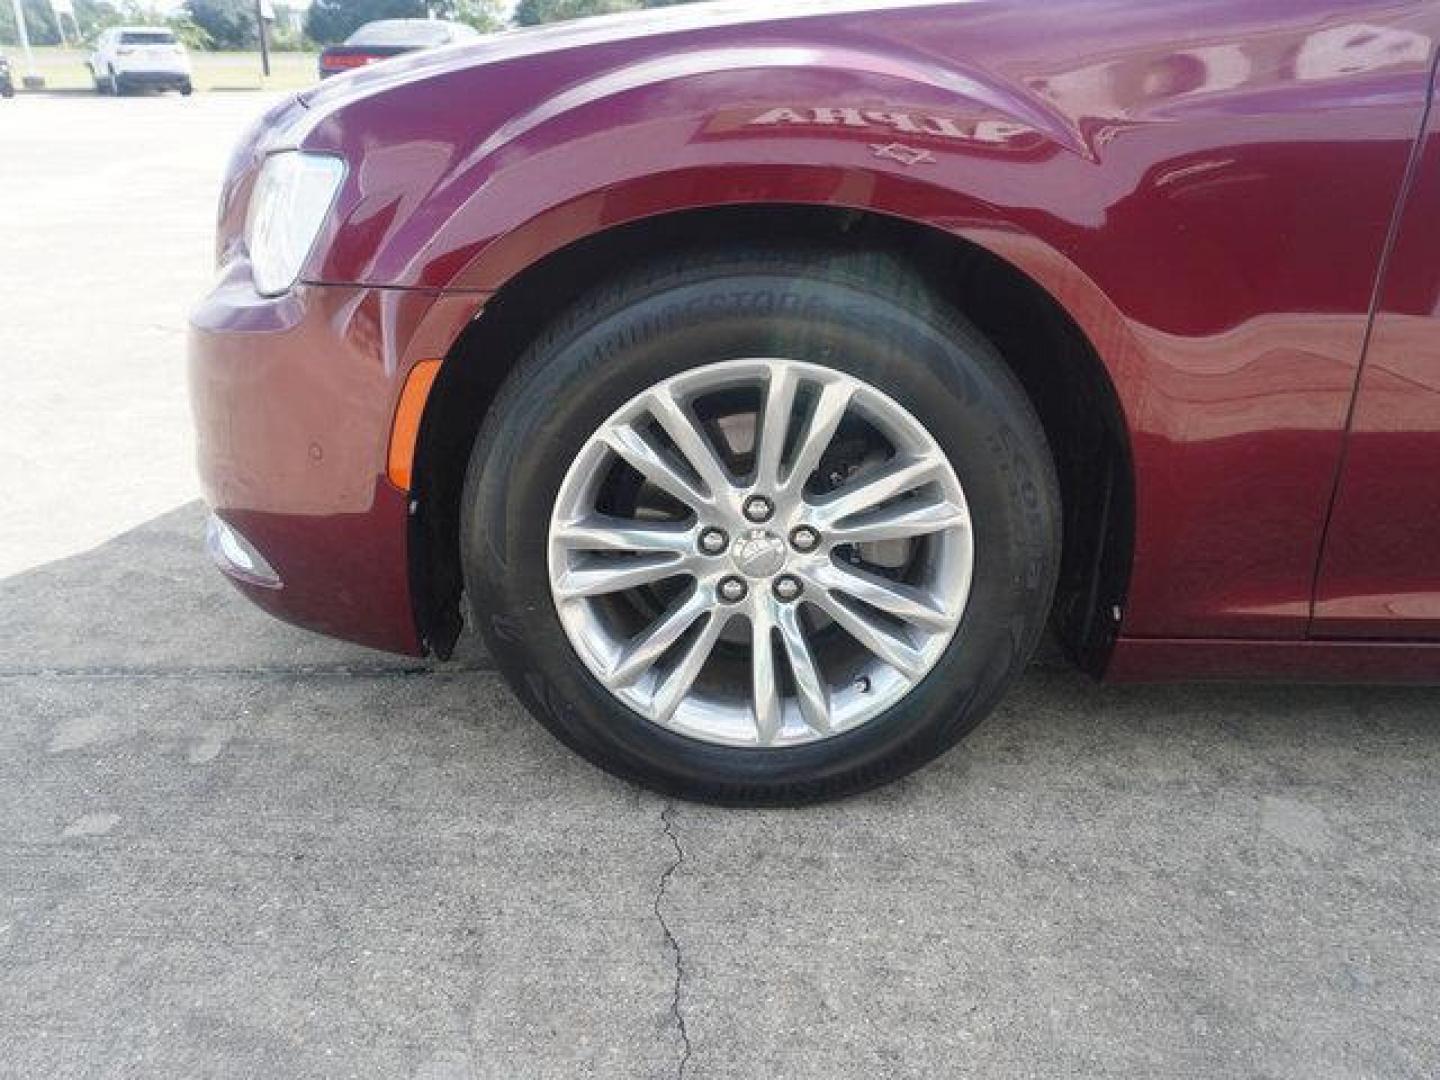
<point>230,24</point>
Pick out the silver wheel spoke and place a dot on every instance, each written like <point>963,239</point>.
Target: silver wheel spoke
<point>902,521</point>
<point>657,639</point>
<point>876,638</point>
<point>603,533</point>
<point>764,688</point>
<point>635,450</point>
<point>678,683</point>
<point>824,419</point>
<point>601,579</point>
<point>902,601</point>
<point>685,431</point>
<point>774,424</point>
<point>872,491</point>
<point>809,684</point>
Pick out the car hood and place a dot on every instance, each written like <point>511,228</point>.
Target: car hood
<point>576,34</point>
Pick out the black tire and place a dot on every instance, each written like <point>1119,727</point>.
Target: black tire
<point>117,85</point>
<point>862,314</point>
<point>186,88</point>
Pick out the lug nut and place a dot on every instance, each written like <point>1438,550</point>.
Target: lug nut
<point>758,508</point>
<point>713,541</point>
<point>787,588</point>
<point>732,590</point>
<point>804,538</point>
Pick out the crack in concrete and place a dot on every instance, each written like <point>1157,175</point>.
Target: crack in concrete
<point>676,1013</point>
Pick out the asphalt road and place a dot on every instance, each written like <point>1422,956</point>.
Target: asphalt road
<point>228,848</point>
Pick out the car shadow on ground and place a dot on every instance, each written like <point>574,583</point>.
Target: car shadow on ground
<point>149,601</point>
<point>225,839</point>
<point>148,605</point>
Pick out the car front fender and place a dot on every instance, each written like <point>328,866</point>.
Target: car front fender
<point>955,149</point>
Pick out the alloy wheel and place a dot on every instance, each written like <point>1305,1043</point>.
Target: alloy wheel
<point>760,553</point>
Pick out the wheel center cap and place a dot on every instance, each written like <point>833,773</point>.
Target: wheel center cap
<point>758,553</point>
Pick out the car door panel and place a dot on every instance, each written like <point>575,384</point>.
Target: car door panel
<point>1380,572</point>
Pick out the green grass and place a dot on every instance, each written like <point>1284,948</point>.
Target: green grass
<point>65,69</point>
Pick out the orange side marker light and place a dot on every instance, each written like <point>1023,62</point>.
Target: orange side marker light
<point>405,431</point>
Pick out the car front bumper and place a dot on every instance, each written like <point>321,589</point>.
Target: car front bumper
<point>293,399</point>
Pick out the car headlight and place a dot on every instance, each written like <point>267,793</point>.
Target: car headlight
<point>287,208</point>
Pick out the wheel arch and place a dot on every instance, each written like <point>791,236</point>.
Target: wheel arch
<point>990,273</point>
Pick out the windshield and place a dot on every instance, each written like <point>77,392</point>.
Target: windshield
<point>411,33</point>
<point>147,37</point>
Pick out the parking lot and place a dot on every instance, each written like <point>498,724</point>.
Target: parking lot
<point>230,848</point>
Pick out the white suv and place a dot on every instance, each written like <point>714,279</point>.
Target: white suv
<point>129,57</point>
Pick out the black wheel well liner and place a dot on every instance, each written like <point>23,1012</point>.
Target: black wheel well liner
<point>1056,363</point>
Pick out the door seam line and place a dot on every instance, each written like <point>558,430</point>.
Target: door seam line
<point>1377,292</point>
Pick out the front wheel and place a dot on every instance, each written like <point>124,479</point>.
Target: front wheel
<point>116,87</point>
<point>761,529</point>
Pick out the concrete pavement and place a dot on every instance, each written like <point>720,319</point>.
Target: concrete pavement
<point>107,214</point>
<point>232,849</point>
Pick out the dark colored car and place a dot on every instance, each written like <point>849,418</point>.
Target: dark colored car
<point>7,80</point>
<point>767,383</point>
<point>385,38</point>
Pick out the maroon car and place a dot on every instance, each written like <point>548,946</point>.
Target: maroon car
<point>763,385</point>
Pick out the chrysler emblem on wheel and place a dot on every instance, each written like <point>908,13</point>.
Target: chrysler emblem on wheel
<point>759,554</point>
